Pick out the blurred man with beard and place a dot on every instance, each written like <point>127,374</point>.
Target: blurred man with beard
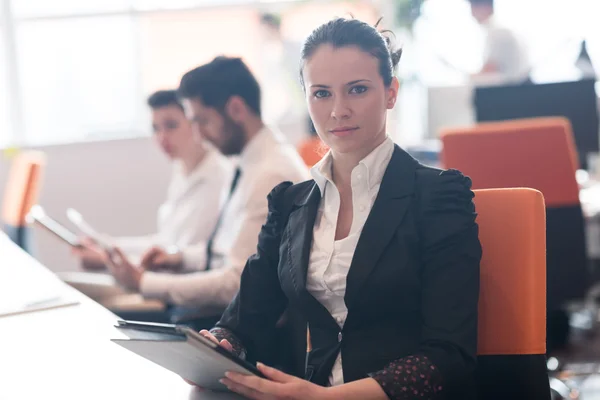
<point>222,100</point>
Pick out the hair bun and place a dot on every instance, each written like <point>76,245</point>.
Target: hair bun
<point>343,32</point>
<point>395,54</point>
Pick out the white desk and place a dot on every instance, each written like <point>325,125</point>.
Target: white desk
<point>66,353</point>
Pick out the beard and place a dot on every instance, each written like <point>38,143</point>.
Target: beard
<point>234,137</point>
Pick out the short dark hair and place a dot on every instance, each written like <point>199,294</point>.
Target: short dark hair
<point>483,2</point>
<point>216,82</point>
<point>343,32</point>
<point>164,98</point>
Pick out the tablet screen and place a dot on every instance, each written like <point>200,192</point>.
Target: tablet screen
<point>183,351</point>
<point>39,217</point>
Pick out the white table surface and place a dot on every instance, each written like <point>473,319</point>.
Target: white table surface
<point>66,353</point>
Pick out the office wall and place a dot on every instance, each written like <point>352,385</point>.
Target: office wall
<point>116,185</point>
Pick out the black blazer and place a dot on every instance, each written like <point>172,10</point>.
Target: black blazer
<point>412,288</point>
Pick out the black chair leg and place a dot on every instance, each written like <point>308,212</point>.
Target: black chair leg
<point>558,330</point>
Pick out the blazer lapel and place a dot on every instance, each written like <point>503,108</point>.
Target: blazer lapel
<point>394,197</point>
<point>300,235</point>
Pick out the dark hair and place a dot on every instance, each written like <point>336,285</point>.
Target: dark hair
<point>482,2</point>
<point>271,20</point>
<point>343,32</point>
<point>216,82</point>
<point>164,98</point>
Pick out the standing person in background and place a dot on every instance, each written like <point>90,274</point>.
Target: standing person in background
<point>505,58</point>
<point>222,99</point>
<point>200,174</point>
<point>283,101</point>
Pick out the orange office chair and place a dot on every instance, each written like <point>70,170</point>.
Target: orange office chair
<point>22,192</point>
<point>312,150</point>
<point>536,153</point>
<point>512,296</point>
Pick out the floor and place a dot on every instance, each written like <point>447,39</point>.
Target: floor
<point>581,362</point>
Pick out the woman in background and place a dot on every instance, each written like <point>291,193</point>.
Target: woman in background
<point>200,174</point>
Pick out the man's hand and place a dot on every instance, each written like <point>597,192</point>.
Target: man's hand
<point>223,343</point>
<point>124,272</point>
<point>159,259</point>
<point>90,254</point>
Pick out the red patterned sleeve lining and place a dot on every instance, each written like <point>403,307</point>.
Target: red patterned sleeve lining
<point>413,377</point>
<point>238,348</point>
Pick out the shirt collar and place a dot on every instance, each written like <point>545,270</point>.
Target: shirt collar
<point>371,168</point>
<point>321,172</point>
<point>255,148</point>
<point>201,172</point>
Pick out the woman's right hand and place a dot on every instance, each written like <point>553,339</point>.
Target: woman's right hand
<point>223,343</point>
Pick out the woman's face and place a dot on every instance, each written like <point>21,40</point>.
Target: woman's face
<point>172,131</point>
<point>347,99</point>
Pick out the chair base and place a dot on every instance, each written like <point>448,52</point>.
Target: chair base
<point>515,377</point>
<point>558,330</point>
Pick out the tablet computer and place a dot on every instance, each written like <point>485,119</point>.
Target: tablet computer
<point>77,219</point>
<point>183,351</point>
<point>38,216</point>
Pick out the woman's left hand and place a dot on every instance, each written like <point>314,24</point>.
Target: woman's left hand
<point>278,386</point>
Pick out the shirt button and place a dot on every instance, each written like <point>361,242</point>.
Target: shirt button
<point>362,208</point>
<point>359,176</point>
<point>340,336</point>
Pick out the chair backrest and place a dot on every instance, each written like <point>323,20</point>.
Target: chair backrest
<point>312,150</point>
<point>512,299</point>
<point>540,154</point>
<point>537,153</point>
<point>21,192</point>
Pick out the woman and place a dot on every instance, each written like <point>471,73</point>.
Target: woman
<point>378,256</point>
<point>200,175</point>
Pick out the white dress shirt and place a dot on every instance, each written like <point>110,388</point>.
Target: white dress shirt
<point>265,162</point>
<point>191,209</point>
<point>507,52</point>
<point>330,259</point>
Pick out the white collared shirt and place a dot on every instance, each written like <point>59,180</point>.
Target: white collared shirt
<point>266,161</point>
<point>506,51</point>
<point>330,259</point>
<point>190,211</point>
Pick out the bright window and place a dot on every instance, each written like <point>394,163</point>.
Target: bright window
<point>85,67</point>
<point>448,39</point>
<point>46,8</point>
<point>79,79</point>
<point>183,4</point>
<point>172,43</point>
<point>6,133</point>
